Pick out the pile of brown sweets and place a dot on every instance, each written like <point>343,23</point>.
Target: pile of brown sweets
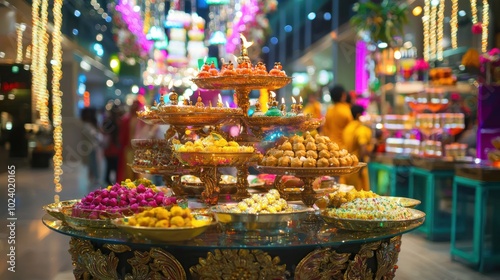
<point>309,151</point>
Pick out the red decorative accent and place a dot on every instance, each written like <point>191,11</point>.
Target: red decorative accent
<point>477,28</point>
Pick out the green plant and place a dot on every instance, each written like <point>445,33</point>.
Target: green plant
<point>382,21</point>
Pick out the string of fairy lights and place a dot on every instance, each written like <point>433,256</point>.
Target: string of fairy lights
<point>433,26</point>
<point>473,8</point>
<point>35,10</point>
<point>426,24</point>
<point>486,22</point>
<point>433,32</point>
<point>454,23</point>
<point>57,95</point>
<point>40,73</point>
<point>38,53</point>
<point>19,32</point>
<point>440,31</point>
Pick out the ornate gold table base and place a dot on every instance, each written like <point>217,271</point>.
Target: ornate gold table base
<point>374,260</point>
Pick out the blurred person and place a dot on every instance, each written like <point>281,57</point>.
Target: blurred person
<point>112,145</point>
<point>313,106</point>
<point>357,140</point>
<point>130,128</point>
<point>93,157</point>
<point>337,116</point>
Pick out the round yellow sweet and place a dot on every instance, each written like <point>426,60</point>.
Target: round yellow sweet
<point>177,221</point>
<point>162,223</point>
<point>163,213</point>
<point>176,211</point>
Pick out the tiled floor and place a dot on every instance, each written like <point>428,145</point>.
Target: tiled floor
<point>42,254</point>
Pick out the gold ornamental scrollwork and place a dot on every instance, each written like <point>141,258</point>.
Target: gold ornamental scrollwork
<point>117,248</point>
<point>387,257</point>
<point>165,266</point>
<point>155,264</point>
<point>328,264</point>
<point>239,264</point>
<point>322,264</point>
<point>76,248</point>
<point>90,263</point>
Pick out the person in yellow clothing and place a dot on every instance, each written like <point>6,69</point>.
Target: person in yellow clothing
<point>337,116</point>
<point>313,106</point>
<point>357,140</point>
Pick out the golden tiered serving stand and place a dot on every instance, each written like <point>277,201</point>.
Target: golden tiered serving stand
<point>307,175</point>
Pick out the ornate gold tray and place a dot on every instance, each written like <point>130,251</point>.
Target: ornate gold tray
<point>266,222</point>
<point>195,119</point>
<point>403,201</point>
<point>160,170</point>
<point>83,223</point>
<point>310,124</point>
<point>213,159</point>
<point>242,81</point>
<point>269,121</point>
<point>418,217</point>
<point>56,209</point>
<point>311,171</point>
<point>150,118</point>
<point>167,234</point>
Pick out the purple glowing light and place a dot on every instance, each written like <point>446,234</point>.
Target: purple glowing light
<point>134,23</point>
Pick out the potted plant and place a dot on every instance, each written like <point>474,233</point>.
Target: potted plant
<point>382,21</point>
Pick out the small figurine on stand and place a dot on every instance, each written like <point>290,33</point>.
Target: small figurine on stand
<point>299,108</point>
<point>283,106</point>
<point>273,107</point>
<point>185,101</point>
<point>294,106</point>
<point>162,101</point>
<point>199,102</point>
<point>293,109</point>
<point>173,97</point>
<point>258,112</point>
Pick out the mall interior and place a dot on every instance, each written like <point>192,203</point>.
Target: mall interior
<point>372,122</point>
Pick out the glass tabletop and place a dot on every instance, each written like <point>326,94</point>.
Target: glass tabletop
<point>304,235</point>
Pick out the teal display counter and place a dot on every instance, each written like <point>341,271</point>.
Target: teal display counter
<point>388,175</point>
<point>434,188</point>
<point>475,229</point>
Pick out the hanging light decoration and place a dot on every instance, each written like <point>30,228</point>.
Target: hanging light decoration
<point>486,22</point>
<point>35,10</point>
<point>57,95</point>
<point>426,24</point>
<point>41,40</point>
<point>20,30</point>
<point>440,31</point>
<point>433,30</point>
<point>473,7</point>
<point>454,23</point>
